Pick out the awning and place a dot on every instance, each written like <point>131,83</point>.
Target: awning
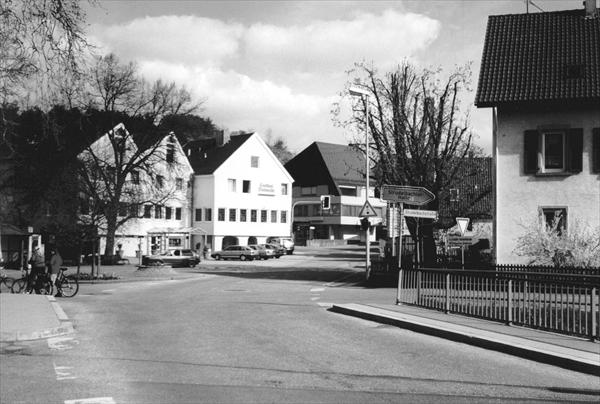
<point>175,230</point>
<point>12,230</point>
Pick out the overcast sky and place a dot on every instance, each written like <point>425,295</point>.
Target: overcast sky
<point>278,66</point>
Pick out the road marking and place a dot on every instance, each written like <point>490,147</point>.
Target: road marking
<point>314,298</point>
<point>339,281</point>
<point>108,290</point>
<point>63,372</point>
<point>95,400</point>
<point>324,304</point>
<point>62,343</point>
<point>314,290</point>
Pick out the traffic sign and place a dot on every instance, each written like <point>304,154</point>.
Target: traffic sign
<point>424,214</point>
<point>367,210</point>
<point>411,195</point>
<point>459,240</point>
<point>463,223</point>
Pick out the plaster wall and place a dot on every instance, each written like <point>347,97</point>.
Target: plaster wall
<point>520,196</point>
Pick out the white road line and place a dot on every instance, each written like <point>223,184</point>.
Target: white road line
<point>63,372</point>
<point>108,290</point>
<point>62,343</point>
<point>95,400</point>
<point>324,304</point>
<point>313,290</point>
<point>314,298</point>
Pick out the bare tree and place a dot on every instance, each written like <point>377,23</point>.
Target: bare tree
<point>419,135</point>
<point>36,35</point>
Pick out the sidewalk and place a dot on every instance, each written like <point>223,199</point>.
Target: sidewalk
<point>26,317</point>
<point>559,350</point>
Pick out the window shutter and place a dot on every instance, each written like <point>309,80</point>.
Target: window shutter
<point>574,152</point>
<point>596,150</point>
<point>531,151</point>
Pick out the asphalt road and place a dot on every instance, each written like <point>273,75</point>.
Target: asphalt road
<point>259,333</point>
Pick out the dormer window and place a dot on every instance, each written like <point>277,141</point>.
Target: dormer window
<point>454,195</point>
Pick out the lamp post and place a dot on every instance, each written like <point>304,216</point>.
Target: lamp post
<point>361,92</point>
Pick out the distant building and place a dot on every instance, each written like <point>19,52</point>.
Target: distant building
<point>241,193</point>
<point>326,169</point>
<point>540,74</point>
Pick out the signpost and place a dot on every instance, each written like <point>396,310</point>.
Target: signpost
<point>463,223</point>
<point>402,194</point>
<point>367,210</point>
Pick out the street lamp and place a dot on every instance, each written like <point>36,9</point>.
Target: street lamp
<point>361,92</point>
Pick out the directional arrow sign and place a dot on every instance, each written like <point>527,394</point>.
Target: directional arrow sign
<point>367,210</point>
<point>425,214</point>
<point>411,195</point>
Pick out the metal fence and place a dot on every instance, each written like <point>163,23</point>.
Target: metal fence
<point>558,302</point>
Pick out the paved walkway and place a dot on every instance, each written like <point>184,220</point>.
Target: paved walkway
<point>556,349</point>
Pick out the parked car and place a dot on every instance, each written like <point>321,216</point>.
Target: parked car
<point>278,250</point>
<point>183,257</point>
<point>264,252</point>
<point>240,252</point>
<point>285,242</point>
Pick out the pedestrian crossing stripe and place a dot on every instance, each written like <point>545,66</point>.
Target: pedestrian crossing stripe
<point>367,210</point>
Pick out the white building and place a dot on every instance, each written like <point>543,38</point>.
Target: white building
<point>241,193</point>
<point>156,198</point>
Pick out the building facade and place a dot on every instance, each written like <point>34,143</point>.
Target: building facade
<point>546,121</point>
<point>241,193</point>
<point>338,172</point>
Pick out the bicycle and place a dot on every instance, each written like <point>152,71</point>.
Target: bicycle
<point>40,285</point>
<point>5,283</point>
<point>66,287</point>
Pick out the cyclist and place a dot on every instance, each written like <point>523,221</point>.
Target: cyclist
<point>55,264</point>
<point>38,268</point>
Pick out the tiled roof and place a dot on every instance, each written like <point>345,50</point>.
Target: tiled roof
<point>345,164</point>
<point>540,57</point>
<point>207,161</point>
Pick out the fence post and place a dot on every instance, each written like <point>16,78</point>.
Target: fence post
<point>509,314</point>
<point>447,293</point>
<point>418,286</point>
<point>594,310</point>
<point>400,286</point>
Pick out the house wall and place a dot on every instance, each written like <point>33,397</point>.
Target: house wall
<point>265,194</point>
<point>520,196</point>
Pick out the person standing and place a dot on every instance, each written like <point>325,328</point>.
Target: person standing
<point>38,268</point>
<point>55,264</point>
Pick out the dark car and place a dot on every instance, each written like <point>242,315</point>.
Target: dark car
<point>182,257</point>
<point>278,250</point>
<point>240,252</point>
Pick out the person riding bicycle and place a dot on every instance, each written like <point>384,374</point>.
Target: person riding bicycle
<point>56,262</point>
<point>38,268</point>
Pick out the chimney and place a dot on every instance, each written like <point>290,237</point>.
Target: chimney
<point>222,138</point>
<point>590,8</point>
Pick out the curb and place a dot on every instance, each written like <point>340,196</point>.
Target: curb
<point>65,327</point>
<point>567,358</point>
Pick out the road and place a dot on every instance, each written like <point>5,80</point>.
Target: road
<point>259,333</point>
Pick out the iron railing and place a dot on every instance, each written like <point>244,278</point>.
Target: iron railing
<point>556,302</point>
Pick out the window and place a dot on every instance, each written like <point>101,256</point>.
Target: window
<point>231,185</point>
<point>221,215</point>
<point>208,214</point>
<point>273,216</point>
<point>253,215</point>
<point>123,209</point>
<point>147,211</point>
<point>308,190</point>
<point>254,161</point>
<point>170,150</point>
<point>552,151</point>
<point>263,216</point>
<point>453,194</point>
<point>160,181</point>
<point>596,150</point>
<point>177,213</point>
<point>168,211</point>
<point>284,189</point>
<point>135,177</point>
<point>348,191</point>
<point>134,210</point>
<point>198,215</point>
<point>243,215</point>
<point>158,212</point>
<point>284,216</point>
<point>246,186</point>
<point>175,242</point>
<point>232,215</point>
<point>555,218</point>
<point>179,184</point>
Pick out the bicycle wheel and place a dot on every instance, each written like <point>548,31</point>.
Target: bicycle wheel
<point>5,285</point>
<point>18,285</point>
<point>46,288</point>
<point>68,287</point>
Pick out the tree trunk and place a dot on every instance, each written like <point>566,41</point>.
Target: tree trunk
<point>111,229</point>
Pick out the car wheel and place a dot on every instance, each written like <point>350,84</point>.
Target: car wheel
<point>217,257</point>
<point>242,258</point>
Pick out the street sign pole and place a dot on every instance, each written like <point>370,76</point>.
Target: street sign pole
<point>400,272</point>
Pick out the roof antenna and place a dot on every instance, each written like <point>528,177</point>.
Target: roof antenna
<point>527,2</point>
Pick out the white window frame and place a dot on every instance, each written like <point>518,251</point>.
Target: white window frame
<point>542,152</point>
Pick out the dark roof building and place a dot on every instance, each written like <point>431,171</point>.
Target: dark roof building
<point>206,157</point>
<point>540,58</point>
